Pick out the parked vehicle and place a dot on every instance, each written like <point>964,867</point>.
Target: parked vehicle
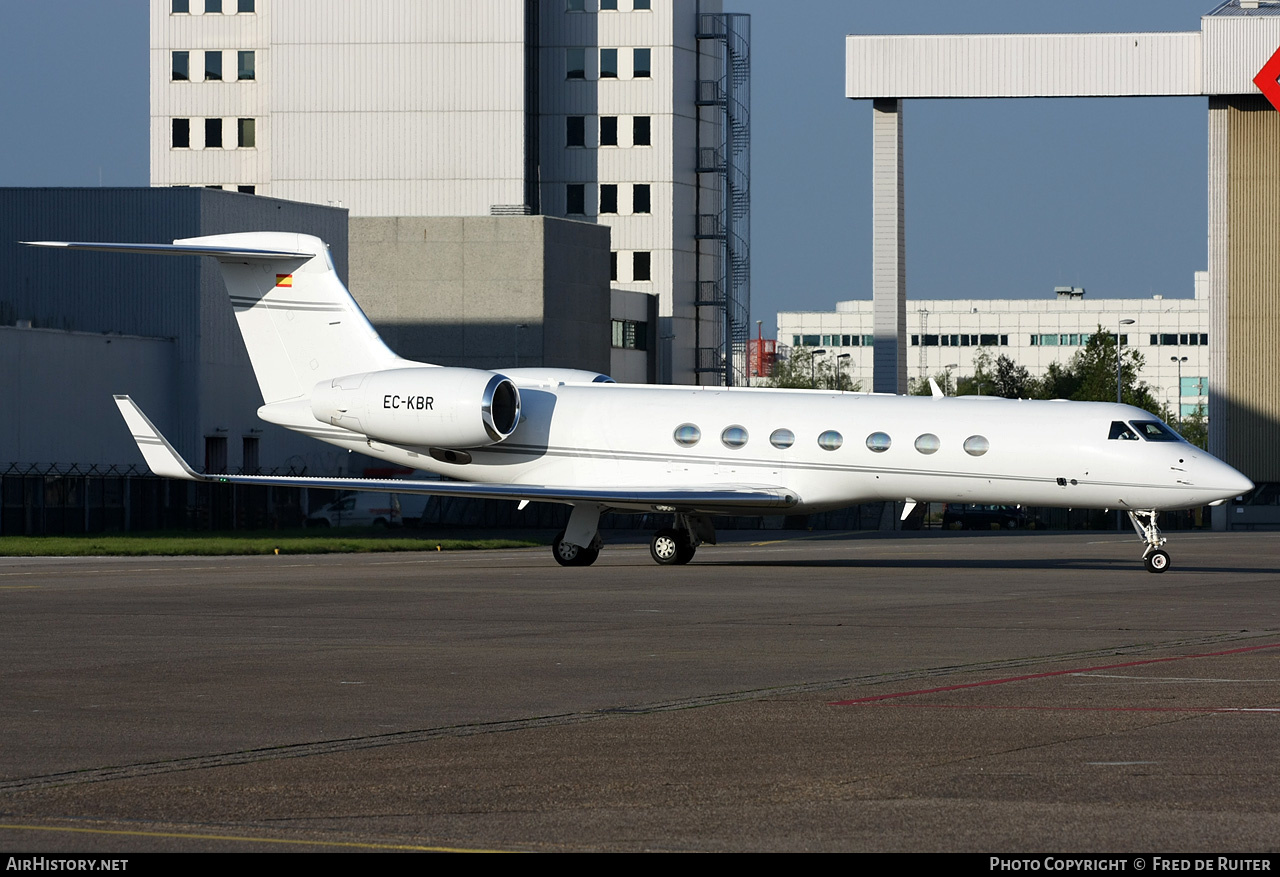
<point>983,517</point>
<point>359,510</point>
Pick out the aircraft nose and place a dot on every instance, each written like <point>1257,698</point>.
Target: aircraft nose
<point>1232,482</point>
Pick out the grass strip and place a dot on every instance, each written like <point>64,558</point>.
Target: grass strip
<point>259,542</point>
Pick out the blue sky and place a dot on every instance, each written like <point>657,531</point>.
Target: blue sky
<point>1005,198</point>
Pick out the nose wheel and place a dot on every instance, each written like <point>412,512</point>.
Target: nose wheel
<point>1154,558</point>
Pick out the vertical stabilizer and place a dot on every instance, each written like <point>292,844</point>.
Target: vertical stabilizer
<point>300,324</point>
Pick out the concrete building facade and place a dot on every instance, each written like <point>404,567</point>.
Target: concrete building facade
<point>585,109</point>
<point>948,335</point>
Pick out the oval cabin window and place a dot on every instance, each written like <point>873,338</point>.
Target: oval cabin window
<point>830,440</point>
<point>782,438</point>
<point>733,437</point>
<point>928,443</point>
<point>976,445</point>
<point>687,435</point>
<point>879,442</point>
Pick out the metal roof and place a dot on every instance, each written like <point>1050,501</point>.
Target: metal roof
<point>1232,7</point>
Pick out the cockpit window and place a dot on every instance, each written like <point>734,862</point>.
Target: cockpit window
<point>1154,431</point>
<point>1120,430</point>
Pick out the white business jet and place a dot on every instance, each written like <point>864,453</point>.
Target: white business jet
<point>578,438</point>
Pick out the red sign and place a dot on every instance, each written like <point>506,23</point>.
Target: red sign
<point>1266,80</point>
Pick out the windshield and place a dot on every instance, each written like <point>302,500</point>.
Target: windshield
<point>1154,431</point>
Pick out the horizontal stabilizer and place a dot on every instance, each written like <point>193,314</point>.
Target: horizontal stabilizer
<point>237,253</point>
<point>164,460</point>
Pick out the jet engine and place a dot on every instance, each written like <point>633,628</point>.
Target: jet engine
<point>445,407</point>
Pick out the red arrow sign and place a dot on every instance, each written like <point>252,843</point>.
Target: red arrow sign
<point>1266,80</point>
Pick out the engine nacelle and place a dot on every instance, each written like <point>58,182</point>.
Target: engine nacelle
<point>441,407</point>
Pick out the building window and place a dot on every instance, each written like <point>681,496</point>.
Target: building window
<point>608,5</point>
<point>244,65</point>
<point>245,6</point>
<point>212,133</point>
<point>575,131</point>
<point>576,5</point>
<point>608,63</point>
<point>640,266</point>
<point>213,7</point>
<point>181,66</point>
<point>180,7</point>
<point>181,133</point>
<point>640,5</point>
<point>247,190</point>
<point>608,130</point>
<point>246,133</point>
<point>608,198</point>
<point>640,65</point>
<point>640,198</point>
<point>575,199</point>
<point>630,335</point>
<point>640,131</point>
<point>575,63</point>
<point>613,265</point>
<point>212,65</point>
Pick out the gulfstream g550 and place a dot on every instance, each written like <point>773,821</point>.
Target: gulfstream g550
<point>574,437</point>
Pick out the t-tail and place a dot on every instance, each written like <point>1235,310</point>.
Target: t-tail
<point>300,324</point>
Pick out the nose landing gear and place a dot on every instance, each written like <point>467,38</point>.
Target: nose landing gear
<point>1154,558</point>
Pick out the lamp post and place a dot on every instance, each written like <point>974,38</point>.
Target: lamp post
<point>840,371</point>
<point>520,327</point>
<point>813,364</point>
<point>1120,360</point>
<point>1179,360</point>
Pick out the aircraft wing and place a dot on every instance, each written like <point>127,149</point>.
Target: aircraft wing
<point>731,499</point>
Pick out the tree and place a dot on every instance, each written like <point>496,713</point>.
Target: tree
<point>1195,428</point>
<point>801,370</point>
<point>1093,369</point>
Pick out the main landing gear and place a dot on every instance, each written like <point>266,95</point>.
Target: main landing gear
<point>568,554</point>
<point>670,546</point>
<point>677,545</point>
<point>1155,558</point>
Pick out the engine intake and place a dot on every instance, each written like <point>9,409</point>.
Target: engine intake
<point>449,407</point>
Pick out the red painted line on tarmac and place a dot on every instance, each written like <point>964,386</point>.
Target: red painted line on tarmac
<point>1087,709</point>
<point>1048,675</point>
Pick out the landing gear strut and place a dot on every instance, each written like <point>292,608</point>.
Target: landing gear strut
<point>1155,558</point>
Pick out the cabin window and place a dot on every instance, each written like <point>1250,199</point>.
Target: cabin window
<point>879,442</point>
<point>733,437</point>
<point>1154,431</point>
<point>976,445</point>
<point>1120,431</point>
<point>928,443</point>
<point>830,440</point>
<point>687,435</point>
<point>782,438</point>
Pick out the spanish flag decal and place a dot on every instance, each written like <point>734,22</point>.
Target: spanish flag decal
<point>284,280</point>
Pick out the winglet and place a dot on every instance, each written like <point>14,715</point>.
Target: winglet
<point>935,389</point>
<point>156,450</point>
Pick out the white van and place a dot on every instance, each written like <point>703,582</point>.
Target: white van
<point>359,510</point>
